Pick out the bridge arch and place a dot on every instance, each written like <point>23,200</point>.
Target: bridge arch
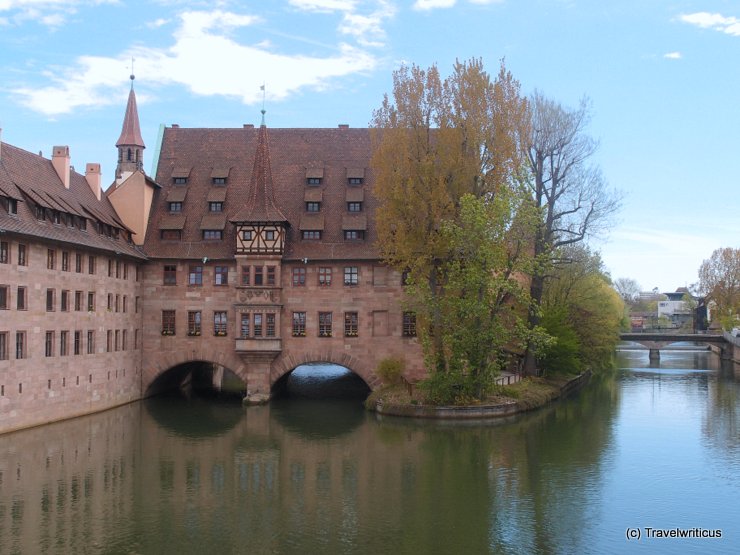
<point>288,362</point>
<point>158,365</point>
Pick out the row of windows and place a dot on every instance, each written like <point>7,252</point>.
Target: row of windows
<point>66,261</point>
<point>318,181</point>
<point>176,234</point>
<point>349,235</point>
<point>81,300</point>
<point>75,342</point>
<point>175,207</point>
<point>218,234</point>
<point>180,180</point>
<point>315,206</point>
<point>258,324</point>
<point>64,382</point>
<point>258,275</point>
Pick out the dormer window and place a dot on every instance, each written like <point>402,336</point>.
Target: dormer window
<point>313,181</point>
<point>354,234</point>
<point>314,176</point>
<point>219,175</point>
<point>180,175</point>
<point>354,207</point>
<point>354,181</point>
<point>215,206</point>
<point>213,234</point>
<point>355,176</point>
<point>180,180</point>
<point>175,207</point>
<point>12,206</point>
<point>313,207</point>
<point>219,181</point>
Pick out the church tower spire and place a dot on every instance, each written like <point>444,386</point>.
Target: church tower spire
<point>130,144</point>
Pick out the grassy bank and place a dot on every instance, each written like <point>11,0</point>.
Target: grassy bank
<point>528,394</point>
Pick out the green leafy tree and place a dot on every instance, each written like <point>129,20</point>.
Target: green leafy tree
<point>446,154</point>
<point>582,311</point>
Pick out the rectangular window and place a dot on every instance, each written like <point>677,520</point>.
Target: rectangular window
<point>168,322</point>
<point>49,344</point>
<point>20,344</point>
<point>311,235</point>
<point>221,275</point>
<point>180,180</point>
<point>299,277</point>
<point>118,302</point>
<point>313,181</point>
<point>175,207</point>
<point>116,341</point>
<point>125,303</point>
<point>65,261</point>
<point>136,305</point>
<point>258,275</point>
<point>258,325</point>
<point>50,259</point>
<point>3,345</point>
<point>108,341</point>
<point>219,323</point>
<point>244,329</point>
<point>125,270</point>
<point>271,275</point>
<point>245,275</point>
<point>4,297</point>
<point>353,235</point>
<point>324,277</point>
<point>354,181</point>
<point>215,206</point>
<point>213,234</point>
<point>354,207</point>
<point>299,324</point>
<point>65,301</point>
<point>170,274</point>
<point>63,343</point>
<point>351,327</point>
<point>91,265</point>
<point>124,339</point>
<point>270,325</point>
<point>77,342</point>
<point>78,263</point>
<point>195,275</point>
<point>90,301</point>
<point>50,294</point>
<point>110,302</point>
<point>110,268</point>
<point>351,275</point>
<point>269,235</point>
<point>313,206</point>
<point>118,269</point>
<point>78,301</point>
<point>21,300</point>
<point>219,181</point>
<point>22,255</point>
<point>90,342</point>
<point>194,322</point>
<point>247,235</point>
<point>324,324</point>
<point>170,234</point>
<point>4,252</point>
<point>409,324</point>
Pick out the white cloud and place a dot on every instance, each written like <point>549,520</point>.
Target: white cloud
<point>486,2</point>
<point>202,60</point>
<point>51,13</point>
<point>432,4</point>
<point>718,22</point>
<point>672,55</point>
<point>157,23</point>
<point>324,5</point>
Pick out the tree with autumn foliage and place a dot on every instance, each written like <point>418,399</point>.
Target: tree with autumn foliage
<point>719,281</point>
<point>446,157</point>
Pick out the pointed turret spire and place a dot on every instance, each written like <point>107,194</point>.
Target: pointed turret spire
<point>130,144</point>
<point>261,205</point>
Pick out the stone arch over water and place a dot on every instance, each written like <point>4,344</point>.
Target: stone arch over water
<point>158,366</point>
<point>288,362</point>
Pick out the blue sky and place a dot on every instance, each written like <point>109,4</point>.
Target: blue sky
<point>663,78</point>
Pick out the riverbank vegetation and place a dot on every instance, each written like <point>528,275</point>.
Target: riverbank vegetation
<point>485,198</point>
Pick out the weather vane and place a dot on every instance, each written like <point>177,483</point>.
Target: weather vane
<point>262,88</point>
<point>132,72</point>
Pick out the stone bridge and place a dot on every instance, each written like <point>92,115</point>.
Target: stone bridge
<point>657,341</point>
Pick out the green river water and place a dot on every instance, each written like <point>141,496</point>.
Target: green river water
<point>645,449</point>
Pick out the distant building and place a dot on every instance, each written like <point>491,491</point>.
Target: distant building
<point>676,309</point>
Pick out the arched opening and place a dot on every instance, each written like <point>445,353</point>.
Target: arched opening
<point>321,380</point>
<point>199,379</point>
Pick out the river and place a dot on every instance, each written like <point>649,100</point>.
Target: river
<point>645,448</point>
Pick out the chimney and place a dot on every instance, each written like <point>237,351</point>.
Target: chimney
<point>60,161</point>
<point>92,175</point>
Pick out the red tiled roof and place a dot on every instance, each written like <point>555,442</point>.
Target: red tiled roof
<point>131,133</point>
<point>32,179</point>
<point>293,154</point>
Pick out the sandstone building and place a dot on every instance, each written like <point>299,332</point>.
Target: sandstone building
<point>250,249</point>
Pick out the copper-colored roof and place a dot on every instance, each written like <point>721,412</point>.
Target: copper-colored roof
<point>131,133</point>
<point>32,179</point>
<point>291,152</point>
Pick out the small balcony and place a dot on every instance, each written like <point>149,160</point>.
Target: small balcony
<point>259,345</point>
